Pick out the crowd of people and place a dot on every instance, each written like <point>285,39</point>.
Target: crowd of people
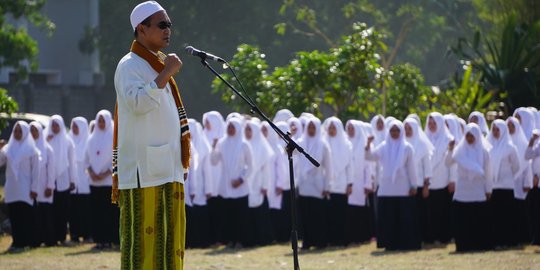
<point>58,183</point>
<point>389,180</point>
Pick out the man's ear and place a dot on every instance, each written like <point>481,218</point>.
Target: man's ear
<point>140,29</point>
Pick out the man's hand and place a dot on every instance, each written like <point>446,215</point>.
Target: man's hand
<point>236,183</point>
<point>173,64</point>
<point>48,193</point>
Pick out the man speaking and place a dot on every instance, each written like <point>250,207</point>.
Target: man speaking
<point>151,147</point>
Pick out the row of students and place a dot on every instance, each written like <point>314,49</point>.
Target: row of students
<point>59,182</point>
<point>408,181</point>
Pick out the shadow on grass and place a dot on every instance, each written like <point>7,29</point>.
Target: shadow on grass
<point>382,252</point>
<point>228,250</point>
<point>93,251</point>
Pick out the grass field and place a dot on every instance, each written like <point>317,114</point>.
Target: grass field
<point>280,257</point>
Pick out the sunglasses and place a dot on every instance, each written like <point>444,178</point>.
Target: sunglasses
<point>163,24</point>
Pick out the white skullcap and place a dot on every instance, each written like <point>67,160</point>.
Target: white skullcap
<point>143,11</point>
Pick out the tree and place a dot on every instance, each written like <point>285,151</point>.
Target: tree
<point>17,48</point>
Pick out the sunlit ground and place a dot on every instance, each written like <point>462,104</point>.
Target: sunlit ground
<point>280,257</point>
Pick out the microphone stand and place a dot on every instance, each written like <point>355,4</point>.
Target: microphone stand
<point>291,146</point>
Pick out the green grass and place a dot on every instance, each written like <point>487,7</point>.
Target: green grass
<point>280,257</point>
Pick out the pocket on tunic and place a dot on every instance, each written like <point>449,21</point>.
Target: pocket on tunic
<point>159,161</point>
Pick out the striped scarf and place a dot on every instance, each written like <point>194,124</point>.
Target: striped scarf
<point>156,61</point>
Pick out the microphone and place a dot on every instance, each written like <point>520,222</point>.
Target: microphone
<point>203,55</point>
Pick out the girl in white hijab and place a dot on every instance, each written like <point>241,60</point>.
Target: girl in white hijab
<point>278,193</point>
<point>314,185</point>
<point>259,183</point>
<point>358,227</point>
<point>473,190</point>
<point>397,215</point>
<point>526,120</point>
<point>442,182</point>
<point>453,125</point>
<point>79,222</point>
<point>91,126</point>
<point>214,130</point>
<point>378,129</point>
<point>283,115</point>
<point>21,158</point>
<point>533,153</point>
<point>422,158</point>
<point>234,155</point>
<point>99,158</point>
<point>65,168</point>
<point>296,128</point>
<point>44,187</point>
<point>523,182</point>
<point>505,165</point>
<point>341,158</point>
<point>479,119</point>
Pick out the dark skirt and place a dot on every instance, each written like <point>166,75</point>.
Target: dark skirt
<point>471,225</point>
<point>45,224</point>
<point>197,227</point>
<point>260,226</point>
<point>105,216</point>
<point>21,216</point>
<point>397,219</point>
<point>236,223</point>
<point>503,208</point>
<point>281,219</point>
<point>522,223</point>
<point>533,199</point>
<point>313,212</point>
<point>61,214</point>
<point>79,217</point>
<point>337,215</point>
<point>422,224</point>
<point>372,204</point>
<point>358,224</point>
<point>438,216</point>
<point>216,220</point>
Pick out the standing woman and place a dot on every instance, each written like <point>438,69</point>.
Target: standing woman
<point>523,183</point>
<point>80,197</point>
<point>442,182</point>
<point>22,159</point>
<point>99,157</point>
<point>314,185</point>
<point>341,157</point>
<point>278,194</point>
<point>65,173</point>
<point>473,190</point>
<point>422,160</point>
<point>44,187</point>
<point>397,190</point>
<point>358,227</point>
<point>214,130</point>
<point>259,183</point>
<point>505,164</point>
<point>234,155</point>
<point>479,119</point>
<point>295,127</point>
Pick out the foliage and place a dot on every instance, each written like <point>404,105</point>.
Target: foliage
<point>7,105</point>
<point>17,48</point>
<point>510,67</point>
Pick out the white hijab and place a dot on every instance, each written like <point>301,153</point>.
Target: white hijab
<point>299,127</point>
<point>41,143</point>
<point>313,145</point>
<point>453,125</point>
<point>91,126</point>
<point>18,150</point>
<point>471,156</point>
<point>392,151</point>
<point>217,126</point>
<point>379,135</point>
<point>482,123</point>
<point>261,149</point>
<point>60,144</point>
<point>419,141</point>
<point>199,139</point>
<point>358,141</point>
<point>527,121</point>
<point>340,146</point>
<point>501,147</point>
<point>100,143</point>
<point>283,115</point>
<point>232,144</point>
<point>80,141</point>
<point>520,142</point>
<point>439,139</point>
